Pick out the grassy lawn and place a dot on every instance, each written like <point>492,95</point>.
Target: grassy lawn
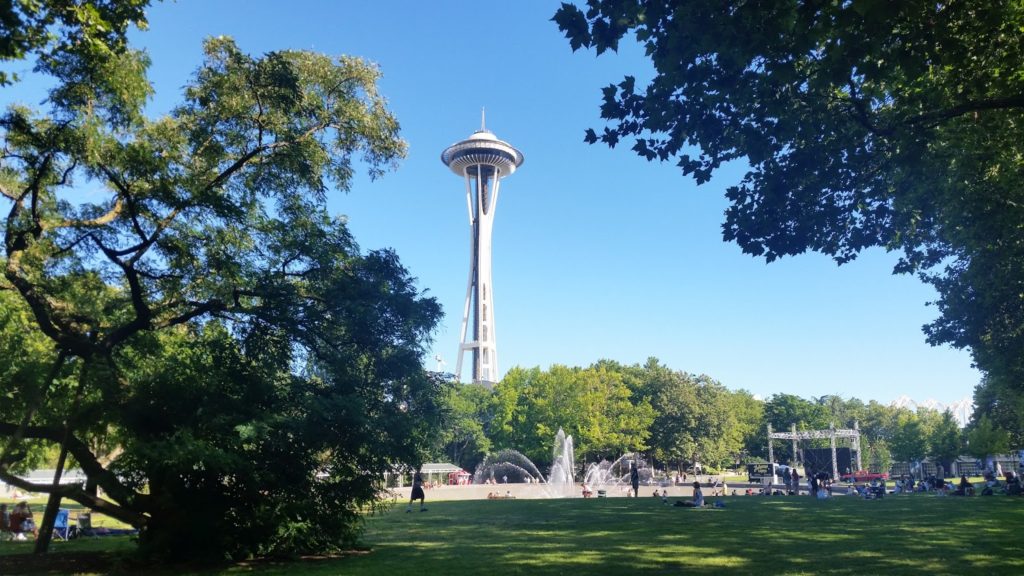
<point>752,535</point>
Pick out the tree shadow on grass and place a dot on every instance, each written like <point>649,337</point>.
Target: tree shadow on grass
<point>780,535</point>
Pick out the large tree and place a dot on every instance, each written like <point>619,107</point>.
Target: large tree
<point>986,439</point>
<point>200,304</point>
<point>464,440</point>
<point>899,125</point>
<point>1003,404</point>
<point>909,440</point>
<point>592,404</point>
<point>945,439</point>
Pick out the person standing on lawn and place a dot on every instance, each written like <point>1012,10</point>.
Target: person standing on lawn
<point>634,479</point>
<point>417,492</point>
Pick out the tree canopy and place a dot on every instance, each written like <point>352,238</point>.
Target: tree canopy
<point>863,124</point>
<point>61,31</point>
<point>174,288</point>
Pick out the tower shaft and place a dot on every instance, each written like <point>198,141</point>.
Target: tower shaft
<point>478,325</point>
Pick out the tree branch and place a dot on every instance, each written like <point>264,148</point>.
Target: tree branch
<point>937,116</point>
<point>78,494</point>
<point>95,222</point>
<point>209,307</point>
<point>245,158</point>
<point>130,500</point>
<point>929,119</point>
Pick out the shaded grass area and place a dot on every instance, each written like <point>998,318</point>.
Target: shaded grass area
<point>752,535</point>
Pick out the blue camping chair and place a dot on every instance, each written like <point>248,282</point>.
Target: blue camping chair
<point>61,527</point>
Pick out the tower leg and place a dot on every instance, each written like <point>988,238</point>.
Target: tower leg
<point>477,334</point>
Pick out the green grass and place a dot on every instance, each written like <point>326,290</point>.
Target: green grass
<point>752,535</point>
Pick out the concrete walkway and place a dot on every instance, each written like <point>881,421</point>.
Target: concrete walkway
<point>539,491</point>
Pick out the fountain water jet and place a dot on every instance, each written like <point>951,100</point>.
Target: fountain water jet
<point>517,468</point>
<point>561,482</point>
<point>507,463</point>
<point>604,474</point>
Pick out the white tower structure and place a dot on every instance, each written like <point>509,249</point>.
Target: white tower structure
<point>482,161</point>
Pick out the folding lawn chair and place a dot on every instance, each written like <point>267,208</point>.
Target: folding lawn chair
<point>61,526</point>
<point>85,524</point>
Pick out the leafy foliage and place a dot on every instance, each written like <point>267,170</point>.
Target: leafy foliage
<point>685,419</point>
<point>257,373</point>
<point>464,436</point>
<point>592,404</point>
<point>945,441</point>
<point>986,439</point>
<point>864,124</point>
<point>909,441</point>
<point>60,30</point>
<point>1003,403</point>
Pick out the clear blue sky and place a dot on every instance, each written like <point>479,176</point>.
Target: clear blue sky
<point>597,253</point>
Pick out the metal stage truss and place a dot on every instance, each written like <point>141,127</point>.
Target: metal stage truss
<point>832,433</point>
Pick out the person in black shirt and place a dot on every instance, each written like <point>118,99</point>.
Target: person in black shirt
<point>634,479</point>
<point>417,492</point>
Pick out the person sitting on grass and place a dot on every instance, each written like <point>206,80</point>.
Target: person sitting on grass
<point>22,522</point>
<point>965,488</point>
<point>1012,484</point>
<point>698,498</point>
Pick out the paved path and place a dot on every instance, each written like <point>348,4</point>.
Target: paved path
<point>538,491</point>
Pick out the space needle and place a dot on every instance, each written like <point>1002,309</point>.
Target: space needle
<point>482,161</point>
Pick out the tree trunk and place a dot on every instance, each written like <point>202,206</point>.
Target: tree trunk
<point>52,507</point>
<point>53,502</point>
<point>46,528</point>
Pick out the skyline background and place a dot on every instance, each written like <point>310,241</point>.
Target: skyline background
<point>597,253</point>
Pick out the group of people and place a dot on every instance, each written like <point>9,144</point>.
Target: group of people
<point>821,485</point>
<point>942,487</point>
<point>791,479</point>
<point>18,520</point>
<point>1011,486</point>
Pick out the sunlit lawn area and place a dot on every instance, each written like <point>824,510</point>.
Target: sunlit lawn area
<point>919,534</point>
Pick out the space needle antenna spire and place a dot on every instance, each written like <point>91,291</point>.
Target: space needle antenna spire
<point>482,161</point>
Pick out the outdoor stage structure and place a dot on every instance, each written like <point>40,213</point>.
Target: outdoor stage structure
<point>482,161</point>
<point>832,434</point>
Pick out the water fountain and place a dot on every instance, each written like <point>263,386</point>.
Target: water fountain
<point>511,466</point>
<point>507,466</point>
<point>561,482</point>
<point>605,475</point>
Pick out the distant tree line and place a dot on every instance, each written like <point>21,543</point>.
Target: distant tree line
<point>676,419</point>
